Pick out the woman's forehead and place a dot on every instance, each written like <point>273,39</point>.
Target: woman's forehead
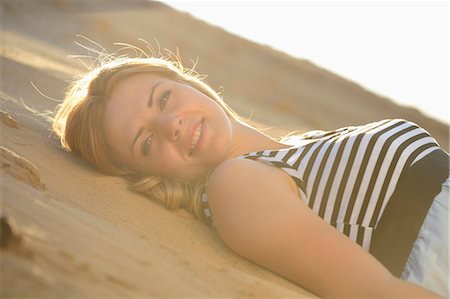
<point>132,89</point>
<point>131,82</point>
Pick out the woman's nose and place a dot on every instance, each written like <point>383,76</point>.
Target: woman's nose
<point>170,126</point>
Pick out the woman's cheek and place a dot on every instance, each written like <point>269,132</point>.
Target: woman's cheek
<point>168,164</point>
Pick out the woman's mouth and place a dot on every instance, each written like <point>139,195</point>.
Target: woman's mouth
<point>196,138</point>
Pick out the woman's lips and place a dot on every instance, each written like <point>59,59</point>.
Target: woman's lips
<point>197,138</point>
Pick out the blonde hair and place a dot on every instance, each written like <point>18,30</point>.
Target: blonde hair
<point>79,124</point>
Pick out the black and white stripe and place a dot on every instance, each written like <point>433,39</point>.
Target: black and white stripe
<point>347,176</point>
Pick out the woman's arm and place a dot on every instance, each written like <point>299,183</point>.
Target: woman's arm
<point>258,214</point>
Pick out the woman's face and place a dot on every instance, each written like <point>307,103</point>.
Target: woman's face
<point>157,126</point>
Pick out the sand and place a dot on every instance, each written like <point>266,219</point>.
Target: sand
<point>68,231</point>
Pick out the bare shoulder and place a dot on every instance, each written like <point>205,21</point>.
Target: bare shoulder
<point>239,189</point>
<point>236,178</point>
<point>232,165</point>
<point>244,173</point>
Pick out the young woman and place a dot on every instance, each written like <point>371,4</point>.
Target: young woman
<point>341,213</point>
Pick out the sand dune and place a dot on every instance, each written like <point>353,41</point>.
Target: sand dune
<point>68,231</point>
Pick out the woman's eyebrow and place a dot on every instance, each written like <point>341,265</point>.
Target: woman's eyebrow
<point>150,100</point>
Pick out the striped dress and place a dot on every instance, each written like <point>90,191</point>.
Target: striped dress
<point>348,176</point>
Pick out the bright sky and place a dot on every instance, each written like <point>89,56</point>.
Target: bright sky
<point>398,49</point>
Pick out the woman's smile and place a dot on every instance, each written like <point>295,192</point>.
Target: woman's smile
<point>197,137</point>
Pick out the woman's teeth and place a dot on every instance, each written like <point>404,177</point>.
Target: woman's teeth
<point>196,137</point>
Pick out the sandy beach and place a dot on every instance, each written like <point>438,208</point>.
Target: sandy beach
<point>68,231</point>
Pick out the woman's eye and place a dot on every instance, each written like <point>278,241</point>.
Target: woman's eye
<point>145,148</point>
<point>163,99</point>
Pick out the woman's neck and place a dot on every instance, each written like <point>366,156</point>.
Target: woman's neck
<point>248,139</point>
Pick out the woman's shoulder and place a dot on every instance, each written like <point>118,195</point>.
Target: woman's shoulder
<point>241,190</point>
<point>240,171</point>
<point>234,179</point>
<point>232,172</point>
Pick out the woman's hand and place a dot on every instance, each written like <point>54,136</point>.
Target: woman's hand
<point>258,214</point>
